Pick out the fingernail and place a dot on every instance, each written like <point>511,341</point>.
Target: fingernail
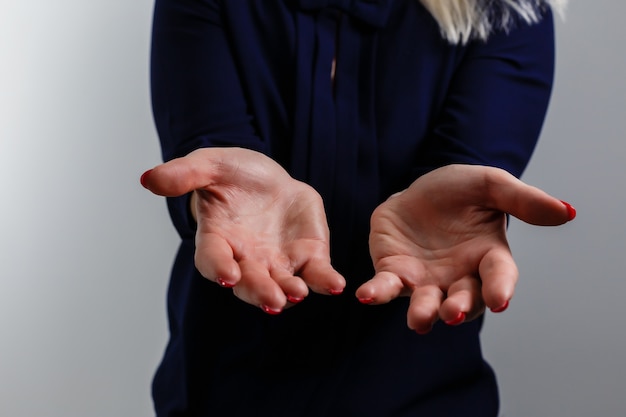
<point>423,331</point>
<point>501,308</point>
<point>142,180</point>
<point>294,300</point>
<point>332,291</point>
<point>366,300</point>
<point>224,284</point>
<point>460,318</point>
<point>271,311</point>
<point>571,211</point>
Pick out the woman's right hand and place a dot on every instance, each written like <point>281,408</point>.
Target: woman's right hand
<point>260,231</point>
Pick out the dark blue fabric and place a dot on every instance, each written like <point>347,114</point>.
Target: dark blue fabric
<point>373,12</point>
<point>256,74</point>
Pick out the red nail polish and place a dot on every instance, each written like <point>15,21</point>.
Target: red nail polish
<point>270,310</point>
<point>224,283</point>
<point>501,309</point>
<point>142,180</point>
<point>571,211</point>
<point>366,300</point>
<point>294,300</point>
<point>332,291</point>
<point>423,331</point>
<point>460,318</point>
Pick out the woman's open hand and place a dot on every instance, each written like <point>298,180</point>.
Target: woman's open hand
<point>260,231</point>
<point>443,242</point>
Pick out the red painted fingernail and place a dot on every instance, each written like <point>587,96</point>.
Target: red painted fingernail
<point>423,331</point>
<point>225,284</point>
<point>332,291</point>
<point>366,300</point>
<point>460,318</point>
<point>271,311</point>
<point>294,300</point>
<point>571,211</point>
<point>501,309</point>
<point>142,180</point>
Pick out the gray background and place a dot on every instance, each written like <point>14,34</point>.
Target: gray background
<point>85,252</point>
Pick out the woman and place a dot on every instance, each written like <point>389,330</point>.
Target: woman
<point>353,160</point>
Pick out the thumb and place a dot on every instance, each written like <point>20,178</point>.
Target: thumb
<point>200,168</point>
<point>528,203</point>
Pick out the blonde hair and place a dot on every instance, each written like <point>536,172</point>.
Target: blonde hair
<point>462,20</point>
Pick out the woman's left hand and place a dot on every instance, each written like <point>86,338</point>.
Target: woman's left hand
<point>443,242</point>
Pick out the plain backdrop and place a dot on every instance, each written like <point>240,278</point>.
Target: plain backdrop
<point>85,252</point>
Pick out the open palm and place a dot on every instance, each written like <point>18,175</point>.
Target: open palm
<point>443,242</point>
<point>260,231</point>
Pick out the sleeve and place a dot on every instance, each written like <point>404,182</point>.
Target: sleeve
<point>496,104</point>
<point>197,98</point>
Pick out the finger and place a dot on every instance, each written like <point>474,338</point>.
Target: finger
<point>527,203</point>
<point>205,167</point>
<point>499,275</point>
<point>424,308</point>
<point>321,277</point>
<point>311,262</point>
<point>257,287</point>
<point>179,176</point>
<point>384,287</point>
<point>294,288</point>
<point>215,261</point>
<point>463,303</point>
